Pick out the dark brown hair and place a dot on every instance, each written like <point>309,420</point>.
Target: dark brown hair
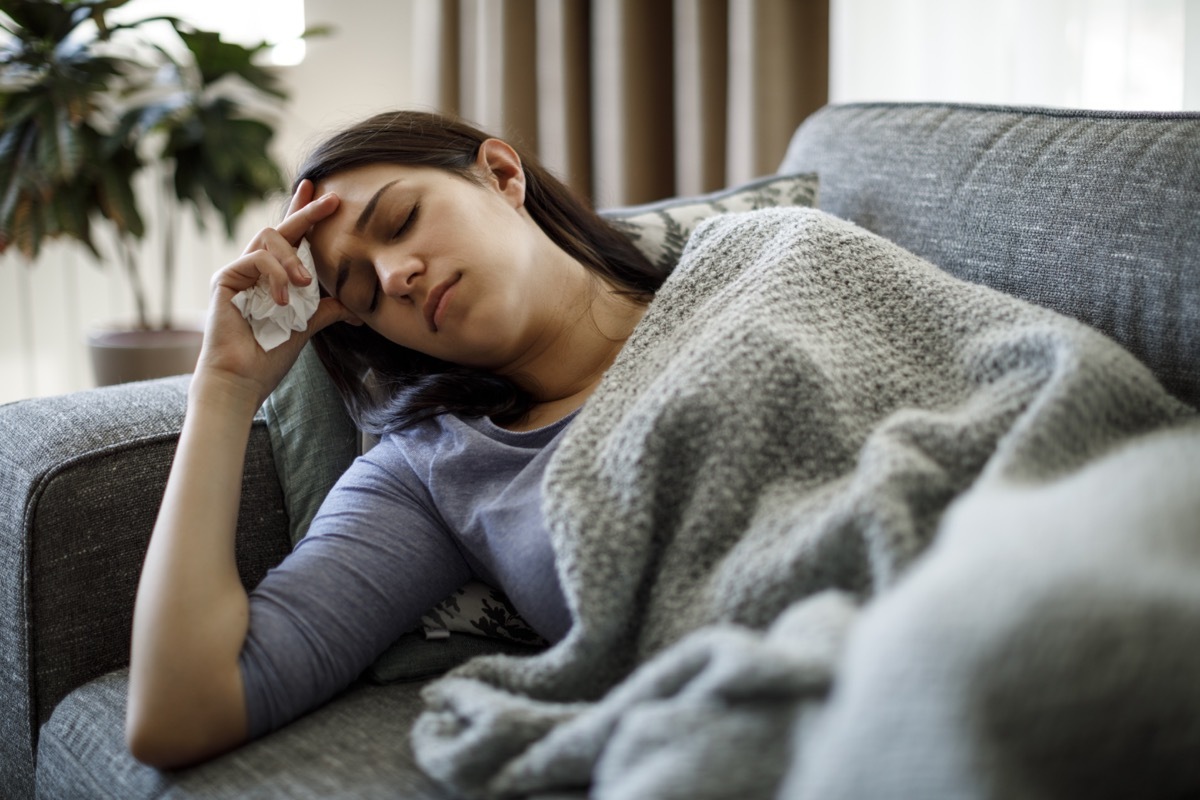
<point>386,386</point>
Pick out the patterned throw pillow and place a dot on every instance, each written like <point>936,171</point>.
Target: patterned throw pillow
<point>478,609</point>
<point>483,622</point>
<point>660,230</point>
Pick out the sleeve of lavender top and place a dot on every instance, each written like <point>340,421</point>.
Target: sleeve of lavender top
<point>375,559</point>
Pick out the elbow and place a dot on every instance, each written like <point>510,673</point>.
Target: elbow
<point>171,741</point>
<point>159,744</point>
<point>146,748</point>
<point>155,747</point>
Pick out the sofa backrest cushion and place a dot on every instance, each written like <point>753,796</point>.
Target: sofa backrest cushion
<point>1093,214</point>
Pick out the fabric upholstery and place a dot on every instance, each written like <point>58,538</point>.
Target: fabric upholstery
<point>1092,214</point>
<point>81,478</point>
<point>358,741</point>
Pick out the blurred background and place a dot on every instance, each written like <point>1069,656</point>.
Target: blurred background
<point>628,100</point>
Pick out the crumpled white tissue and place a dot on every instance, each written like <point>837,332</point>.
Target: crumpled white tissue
<point>272,323</point>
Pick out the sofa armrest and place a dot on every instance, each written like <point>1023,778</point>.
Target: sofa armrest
<point>81,479</point>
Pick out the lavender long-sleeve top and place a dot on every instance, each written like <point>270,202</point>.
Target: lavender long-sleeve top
<point>412,520</point>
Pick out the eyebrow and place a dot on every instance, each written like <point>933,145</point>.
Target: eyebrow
<point>343,269</point>
<point>369,209</point>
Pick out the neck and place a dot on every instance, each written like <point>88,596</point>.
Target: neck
<point>585,340</point>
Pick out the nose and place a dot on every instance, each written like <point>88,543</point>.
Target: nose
<point>398,274</point>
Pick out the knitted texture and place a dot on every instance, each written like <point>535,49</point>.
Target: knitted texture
<point>776,443</point>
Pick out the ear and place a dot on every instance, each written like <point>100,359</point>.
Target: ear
<point>501,167</point>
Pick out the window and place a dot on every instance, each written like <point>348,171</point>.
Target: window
<point>280,22</point>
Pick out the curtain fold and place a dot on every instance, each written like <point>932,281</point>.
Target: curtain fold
<point>701,94</point>
<point>630,100</point>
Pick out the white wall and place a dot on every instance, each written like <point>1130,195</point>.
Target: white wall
<point>1191,54</point>
<point>1111,54</point>
<point>363,67</point>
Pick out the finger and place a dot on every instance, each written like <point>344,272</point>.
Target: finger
<point>281,268</point>
<point>296,225</point>
<point>246,271</point>
<point>301,197</point>
<point>286,254</point>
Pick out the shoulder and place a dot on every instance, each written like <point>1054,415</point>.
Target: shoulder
<point>413,452</point>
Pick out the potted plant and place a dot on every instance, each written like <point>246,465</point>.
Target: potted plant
<point>86,106</point>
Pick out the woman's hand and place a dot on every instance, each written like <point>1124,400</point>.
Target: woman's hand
<point>231,358</point>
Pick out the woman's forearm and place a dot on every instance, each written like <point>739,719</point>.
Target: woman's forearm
<point>186,699</point>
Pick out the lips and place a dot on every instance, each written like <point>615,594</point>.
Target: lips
<point>436,301</point>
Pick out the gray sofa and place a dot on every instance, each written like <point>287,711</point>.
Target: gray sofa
<point>1095,215</point>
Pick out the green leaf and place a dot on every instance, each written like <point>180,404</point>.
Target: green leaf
<point>318,31</point>
<point>26,232</point>
<point>217,59</point>
<point>9,195</point>
<point>71,215</point>
<point>68,146</point>
<point>16,168</point>
<point>117,200</point>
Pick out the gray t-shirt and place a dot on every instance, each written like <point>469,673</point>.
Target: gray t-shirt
<point>408,523</point>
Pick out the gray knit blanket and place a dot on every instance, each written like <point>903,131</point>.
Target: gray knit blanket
<point>837,524</point>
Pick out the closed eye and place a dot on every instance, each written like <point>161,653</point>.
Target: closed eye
<point>408,221</point>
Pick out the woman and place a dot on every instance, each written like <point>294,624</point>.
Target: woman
<point>481,304</point>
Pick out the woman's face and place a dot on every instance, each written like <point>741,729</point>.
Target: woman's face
<point>437,263</point>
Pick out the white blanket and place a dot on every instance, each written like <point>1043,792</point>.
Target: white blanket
<point>750,488</point>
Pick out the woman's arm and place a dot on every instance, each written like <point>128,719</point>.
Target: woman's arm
<point>185,698</point>
<point>190,618</point>
<point>376,557</point>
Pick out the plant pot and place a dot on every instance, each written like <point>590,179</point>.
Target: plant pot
<point>120,356</point>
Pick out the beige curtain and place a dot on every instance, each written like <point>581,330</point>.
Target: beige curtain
<point>630,100</point>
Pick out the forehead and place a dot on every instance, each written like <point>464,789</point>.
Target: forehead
<point>357,189</point>
<point>360,183</point>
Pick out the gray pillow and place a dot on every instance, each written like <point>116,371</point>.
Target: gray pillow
<point>660,230</point>
<point>313,440</point>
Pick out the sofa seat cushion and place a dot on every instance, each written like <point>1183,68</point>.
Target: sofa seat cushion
<point>356,746</point>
